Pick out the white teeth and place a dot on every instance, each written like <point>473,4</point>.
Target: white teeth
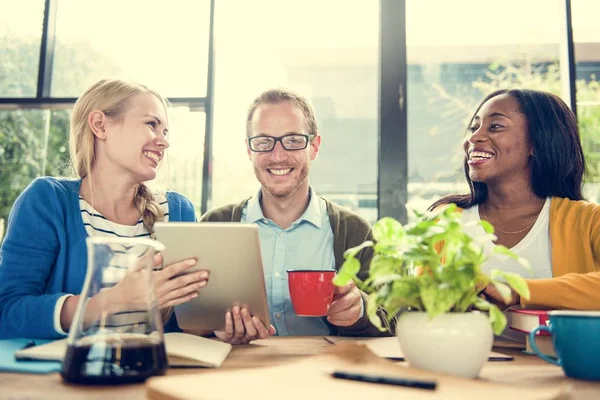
<point>152,156</point>
<point>280,171</point>
<point>480,155</point>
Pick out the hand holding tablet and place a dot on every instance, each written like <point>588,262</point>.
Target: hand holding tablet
<point>174,285</point>
<point>242,328</point>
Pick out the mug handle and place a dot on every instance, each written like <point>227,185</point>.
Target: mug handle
<point>547,358</point>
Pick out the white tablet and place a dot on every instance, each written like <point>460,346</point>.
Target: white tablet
<point>231,252</point>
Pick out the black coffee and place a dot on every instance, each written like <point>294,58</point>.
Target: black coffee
<point>123,361</point>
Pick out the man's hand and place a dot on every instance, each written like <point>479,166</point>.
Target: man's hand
<point>492,295</point>
<point>347,305</point>
<point>242,328</point>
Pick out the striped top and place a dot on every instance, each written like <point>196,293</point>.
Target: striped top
<point>96,225</point>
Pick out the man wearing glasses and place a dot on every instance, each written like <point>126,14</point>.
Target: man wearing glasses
<point>298,229</point>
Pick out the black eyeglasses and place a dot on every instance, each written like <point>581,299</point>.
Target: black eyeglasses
<point>293,141</point>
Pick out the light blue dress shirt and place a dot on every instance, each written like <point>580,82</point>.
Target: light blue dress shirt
<point>306,244</point>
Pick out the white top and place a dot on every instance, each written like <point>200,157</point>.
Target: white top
<point>96,225</point>
<point>534,247</point>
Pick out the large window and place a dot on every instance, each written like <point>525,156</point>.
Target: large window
<point>32,143</point>
<point>161,44</point>
<point>587,56</point>
<point>182,170</point>
<point>36,143</point>
<point>307,47</point>
<point>457,52</point>
<point>474,51</point>
<point>48,57</point>
<point>20,38</point>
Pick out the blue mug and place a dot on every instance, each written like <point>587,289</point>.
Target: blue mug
<point>575,338</point>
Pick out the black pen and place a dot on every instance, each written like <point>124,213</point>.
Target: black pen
<point>389,380</point>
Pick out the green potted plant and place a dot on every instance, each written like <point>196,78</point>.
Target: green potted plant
<point>433,268</point>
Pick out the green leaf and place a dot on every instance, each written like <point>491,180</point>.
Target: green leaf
<point>487,227</point>
<point>465,303</point>
<point>443,212</point>
<point>482,280</point>
<point>498,319</point>
<point>388,248</point>
<point>439,298</point>
<point>388,230</point>
<point>384,265</point>
<point>383,279</point>
<point>372,308</point>
<point>515,281</point>
<point>347,272</point>
<point>504,290</point>
<point>461,276</point>
<point>482,304</point>
<point>353,251</point>
<point>406,289</point>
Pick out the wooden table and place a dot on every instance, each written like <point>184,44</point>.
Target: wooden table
<point>269,352</point>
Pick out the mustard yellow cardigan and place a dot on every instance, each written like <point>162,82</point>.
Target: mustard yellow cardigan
<point>575,239</point>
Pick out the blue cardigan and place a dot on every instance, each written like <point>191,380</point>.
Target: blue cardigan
<point>44,255</point>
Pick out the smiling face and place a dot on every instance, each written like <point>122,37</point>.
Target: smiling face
<point>135,142</point>
<point>498,147</point>
<point>281,172</point>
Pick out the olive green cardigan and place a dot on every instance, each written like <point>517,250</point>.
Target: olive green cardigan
<point>349,230</point>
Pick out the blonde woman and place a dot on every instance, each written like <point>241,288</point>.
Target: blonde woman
<point>119,135</point>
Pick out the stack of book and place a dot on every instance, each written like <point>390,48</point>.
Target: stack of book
<point>527,320</point>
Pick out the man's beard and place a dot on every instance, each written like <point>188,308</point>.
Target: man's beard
<point>284,192</point>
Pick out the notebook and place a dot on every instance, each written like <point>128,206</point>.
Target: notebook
<point>183,350</point>
<point>389,347</point>
<point>8,363</point>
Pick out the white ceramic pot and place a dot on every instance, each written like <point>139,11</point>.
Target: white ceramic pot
<point>453,343</point>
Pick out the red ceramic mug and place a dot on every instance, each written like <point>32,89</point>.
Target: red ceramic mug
<point>311,291</point>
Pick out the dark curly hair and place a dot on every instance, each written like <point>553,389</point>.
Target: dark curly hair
<point>558,166</point>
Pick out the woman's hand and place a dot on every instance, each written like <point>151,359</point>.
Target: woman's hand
<point>172,286</point>
<point>242,328</point>
<point>492,295</point>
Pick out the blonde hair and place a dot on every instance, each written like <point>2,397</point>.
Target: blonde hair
<point>276,96</point>
<point>111,97</point>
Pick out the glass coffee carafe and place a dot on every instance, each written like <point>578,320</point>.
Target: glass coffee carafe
<point>116,335</point>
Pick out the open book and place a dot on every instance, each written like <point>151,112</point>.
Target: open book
<point>183,350</point>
